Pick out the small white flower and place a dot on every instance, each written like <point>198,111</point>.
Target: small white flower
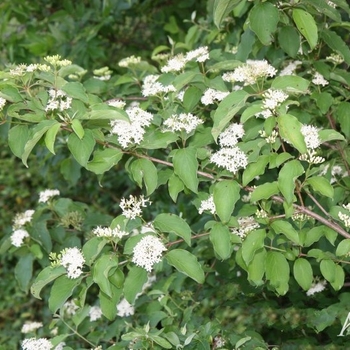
<point>44,196</point>
<point>311,157</point>
<point>58,100</point>
<point>56,60</point>
<point>107,232</point>
<point>200,55</point>
<point>36,344</point>
<point>231,159</point>
<point>117,103</point>
<point>18,237</point>
<point>22,218</point>
<point>151,86</point>
<point>132,207</point>
<point>2,103</point>
<point>290,68</point>
<point>70,307</point>
<point>207,205</point>
<point>212,95</point>
<point>95,313</point>
<point>60,345</point>
<point>131,132</point>
<point>229,137</point>
<point>182,122</point>
<point>316,288</point>
<point>335,58</point>
<point>246,225</point>
<point>31,326</point>
<point>125,309</point>
<point>273,99</point>
<point>148,252</point>
<point>345,219</point>
<point>311,136</point>
<point>73,260</point>
<point>319,79</point>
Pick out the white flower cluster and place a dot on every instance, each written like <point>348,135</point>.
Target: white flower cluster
<point>117,103</point>
<point>316,288</point>
<point>207,205</point>
<point>125,308</point>
<point>36,344</point>
<point>103,73</point>
<point>31,326</point>
<point>56,60</point>
<point>269,138</point>
<point>132,207</point>
<point>72,260</point>
<point>212,95</point>
<point>311,157</point>
<point>182,122</point>
<point>319,79</point>
<point>44,196</point>
<point>131,132</point>
<point>108,232</point>
<point>70,307</point>
<point>345,218</point>
<point>229,137</point>
<point>311,136</point>
<point>246,225</point>
<point>2,103</point>
<point>331,4</point>
<point>250,72</point>
<point>151,86</point>
<point>335,58</point>
<point>58,100</point>
<point>271,100</point>
<point>178,62</point>
<point>230,156</point>
<point>290,68</point>
<point>95,313</point>
<point>21,69</point>
<point>336,172</point>
<point>129,61</point>
<point>18,223</point>
<point>148,252</point>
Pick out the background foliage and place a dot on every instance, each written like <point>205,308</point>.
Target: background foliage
<point>254,294</point>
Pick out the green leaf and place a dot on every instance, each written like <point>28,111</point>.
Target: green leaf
<point>24,271</point>
<point>191,98</point>
<point>78,128</point>
<point>277,271</point>
<point>36,133</point>
<point>134,281</point>
<point>18,136</point>
<point>313,235</point>
<point>306,26</point>
<point>144,169</point>
<point>303,273</point>
<point>256,268</point>
<point>330,135</point>
<point>61,290</point>
<point>160,341</point>
<point>255,169</point>
<point>324,101</point>
<point>286,178</point>
<point>97,113</point>
<point>108,304</point>
<point>50,137</point>
<point>289,128</point>
<point>101,269</point>
<point>172,223</point>
<point>327,268</point>
<point>76,90</point>
<point>92,248</point>
<point>228,107</point>
<point>284,227</point>
<point>321,185</point>
<point>222,9</point>
<point>175,186</point>
<point>252,243</point>
<point>339,277</point>
<point>10,93</point>
<point>104,160</point>
<point>226,193</point>
<point>264,191</point>
<point>220,237</point>
<point>186,166</point>
<point>81,149</point>
<point>342,113</point>
<point>186,263</point>
<point>289,40</point>
<point>45,277</point>
<point>263,20</point>
<point>343,248</point>
<point>291,83</point>
<point>336,43</point>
